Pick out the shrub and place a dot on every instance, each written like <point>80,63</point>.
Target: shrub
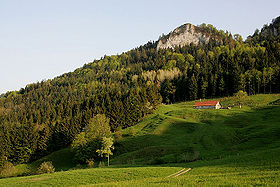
<point>46,167</point>
<point>90,163</point>
<point>8,170</point>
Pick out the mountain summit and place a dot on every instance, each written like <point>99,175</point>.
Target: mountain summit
<point>187,34</point>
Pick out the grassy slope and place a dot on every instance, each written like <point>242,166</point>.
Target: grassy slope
<point>238,146</point>
<point>177,131</point>
<point>62,160</point>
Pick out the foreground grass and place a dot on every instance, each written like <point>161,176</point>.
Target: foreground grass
<point>89,176</point>
<point>246,169</point>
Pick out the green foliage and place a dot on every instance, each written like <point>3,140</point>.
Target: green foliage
<point>97,128</point>
<point>46,167</point>
<point>2,160</point>
<point>86,143</point>
<point>79,141</point>
<point>8,170</point>
<point>87,151</point>
<point>193,87</point>
<point>106,148</point>
<point>241,98</point>
<point>167,91</point>
<point>170,65</point>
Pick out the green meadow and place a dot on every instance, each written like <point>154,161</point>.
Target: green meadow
<point>238,146</point>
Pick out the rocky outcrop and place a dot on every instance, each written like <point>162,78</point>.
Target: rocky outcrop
<point>184,35</point>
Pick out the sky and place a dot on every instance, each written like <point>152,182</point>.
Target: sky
<point>40,40</point>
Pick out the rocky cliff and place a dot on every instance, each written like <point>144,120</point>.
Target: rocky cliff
<point>185,35</point>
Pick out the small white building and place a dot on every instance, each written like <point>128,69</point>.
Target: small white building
<point>207,105</point>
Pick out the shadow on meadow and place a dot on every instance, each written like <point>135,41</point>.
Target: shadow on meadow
<point>231,138</point>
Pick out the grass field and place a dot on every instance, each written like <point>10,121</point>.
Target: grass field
<point>223,147</point>
<point>177,132</point>
<point>246,169</point>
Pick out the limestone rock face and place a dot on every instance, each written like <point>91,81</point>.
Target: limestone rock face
<point>184,35</point>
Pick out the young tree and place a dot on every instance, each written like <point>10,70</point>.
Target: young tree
<point>241,97</point>
<point>106,148</point>
<point>86,143</point>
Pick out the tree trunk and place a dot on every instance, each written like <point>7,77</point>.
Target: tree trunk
<point>108,159</point>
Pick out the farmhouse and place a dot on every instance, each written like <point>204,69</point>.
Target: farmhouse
<point>207,105</point>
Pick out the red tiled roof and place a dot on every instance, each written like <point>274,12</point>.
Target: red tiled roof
<point>205,103</point>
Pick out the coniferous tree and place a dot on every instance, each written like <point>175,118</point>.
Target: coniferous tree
<point>193,87</point>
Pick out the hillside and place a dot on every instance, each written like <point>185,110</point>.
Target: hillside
<point>47,116</point>
<point>178,133</point>
<point>223,147</point>
<point>269,32</point>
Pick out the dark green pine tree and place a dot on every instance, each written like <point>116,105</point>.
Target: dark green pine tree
<point>193,88</point>
<point>166,91</point>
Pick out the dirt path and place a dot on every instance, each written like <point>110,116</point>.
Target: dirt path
<point>182,171</point>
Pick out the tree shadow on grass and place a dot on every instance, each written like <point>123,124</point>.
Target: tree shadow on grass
<point>219,139</point>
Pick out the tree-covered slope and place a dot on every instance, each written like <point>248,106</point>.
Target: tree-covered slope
<point>46,116</point>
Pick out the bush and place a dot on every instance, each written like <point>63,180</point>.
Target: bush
<point>90,163</point>
<point>8,170</point>
<point>46,167</point>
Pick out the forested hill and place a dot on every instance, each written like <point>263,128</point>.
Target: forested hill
<point>46,116</point>
<point>268,32</point>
